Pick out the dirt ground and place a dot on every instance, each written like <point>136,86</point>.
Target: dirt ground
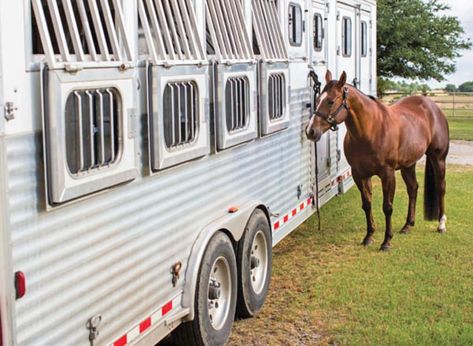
<point>461,153</point>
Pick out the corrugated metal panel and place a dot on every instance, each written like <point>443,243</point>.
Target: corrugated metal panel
<point>111,253</point>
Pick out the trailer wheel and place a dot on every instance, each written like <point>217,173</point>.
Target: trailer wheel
<point>216,295</point>
<point>254,260</point>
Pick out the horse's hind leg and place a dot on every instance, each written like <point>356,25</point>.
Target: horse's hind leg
<point>409,176</point>
<point>365,187</point>
<point>440,172</point>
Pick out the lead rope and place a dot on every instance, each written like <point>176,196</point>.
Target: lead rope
<point>316,91</point>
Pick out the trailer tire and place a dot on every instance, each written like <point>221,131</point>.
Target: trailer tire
<point>254,259</point>
<point>216,295</point>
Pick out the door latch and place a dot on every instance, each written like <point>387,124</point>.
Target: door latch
<point>93,327</point>
<point>10,109</point>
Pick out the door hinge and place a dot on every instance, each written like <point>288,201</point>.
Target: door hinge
<point>329,161</point>
<point>339,155</point>
<point>338,50</point>
<point>338,15</point>
<point>10,109</point>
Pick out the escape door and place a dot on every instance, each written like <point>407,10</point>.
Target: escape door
<point>318,47</point>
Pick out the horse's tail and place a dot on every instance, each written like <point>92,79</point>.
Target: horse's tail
<point>431,193</point>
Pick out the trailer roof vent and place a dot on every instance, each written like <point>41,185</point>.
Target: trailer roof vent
<point>266,25</point>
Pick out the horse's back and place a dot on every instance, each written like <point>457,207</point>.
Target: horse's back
<point>422,123</point>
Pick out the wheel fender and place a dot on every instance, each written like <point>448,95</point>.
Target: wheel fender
<point>231,223</point>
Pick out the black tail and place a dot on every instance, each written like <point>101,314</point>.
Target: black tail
<point>431,193</point>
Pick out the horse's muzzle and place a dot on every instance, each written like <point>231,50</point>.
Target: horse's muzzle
<point>313,135</point>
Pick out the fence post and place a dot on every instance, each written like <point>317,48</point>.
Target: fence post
<point>454,104</point>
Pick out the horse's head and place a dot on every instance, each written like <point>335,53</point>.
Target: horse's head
<point>331,109</point>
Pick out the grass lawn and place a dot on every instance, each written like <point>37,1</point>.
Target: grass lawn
<point>328,289</point>
<point>461,128</point>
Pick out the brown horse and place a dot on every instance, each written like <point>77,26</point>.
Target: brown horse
<point>381,140</point>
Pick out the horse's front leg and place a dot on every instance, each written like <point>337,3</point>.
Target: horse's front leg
<point>364,185</point>
<point>388,179</point>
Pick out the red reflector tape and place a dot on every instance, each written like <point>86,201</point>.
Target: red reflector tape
<point>155,319</point>
<point>20,284</point>
<point>293,213</point>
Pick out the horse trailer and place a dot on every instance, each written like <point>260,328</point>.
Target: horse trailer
<point>152,152</point>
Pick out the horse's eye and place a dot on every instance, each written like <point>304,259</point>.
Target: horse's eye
<point>330,103</point>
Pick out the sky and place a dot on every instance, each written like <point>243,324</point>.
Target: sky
<point>463,9</point>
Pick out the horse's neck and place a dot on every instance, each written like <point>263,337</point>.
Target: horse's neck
<point>363,120</point>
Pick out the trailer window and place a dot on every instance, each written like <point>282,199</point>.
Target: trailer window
<point>318,32</point>
<point>181,118</point>
<point>346,36</point>
<point>237,103</point>
<point>364,39</point>
<point>276,96</point>
<point>295,25</point>
<point>92,130</point>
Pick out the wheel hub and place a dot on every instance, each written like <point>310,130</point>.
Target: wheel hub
<point>219,293</point>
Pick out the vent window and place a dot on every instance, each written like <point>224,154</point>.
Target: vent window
<point>80,31</point>
<point>92,129</point>
<point>269,39</point>
<point>237,103</point>
<point>171,31</point>
<point>346,36</point>
<point>226,30</point>
<point>295,25</point>
<point>276,96</point>
<point>180,111</point>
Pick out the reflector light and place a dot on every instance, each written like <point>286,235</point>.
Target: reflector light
<point>20,284</point>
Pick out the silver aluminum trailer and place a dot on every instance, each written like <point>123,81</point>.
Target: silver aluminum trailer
<point>151,154</point>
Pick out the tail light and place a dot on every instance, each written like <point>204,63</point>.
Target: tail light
<point>20,284</point>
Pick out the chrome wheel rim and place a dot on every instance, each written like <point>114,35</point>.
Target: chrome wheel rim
<point>219,293</point>
<point>258,262</point>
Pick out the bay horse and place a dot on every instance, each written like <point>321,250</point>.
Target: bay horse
<point>381,139</point>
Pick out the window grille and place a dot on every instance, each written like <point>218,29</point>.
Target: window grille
<point>295,25</point>
<point>171,32</point>
<point>92,129</point>
<point>266,25</point>
<point>318,32</point>
<point>364,39</point>
<point>84,32</point>
<point>227,30</point>
<point>276,96</point>
<point>181,118</point>
<point>237,103</point>
<point>346,36</point>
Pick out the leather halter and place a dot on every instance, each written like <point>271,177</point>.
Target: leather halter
<point>331,118</point>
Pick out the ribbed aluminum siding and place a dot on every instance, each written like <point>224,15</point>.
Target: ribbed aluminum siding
<point>111,253</point>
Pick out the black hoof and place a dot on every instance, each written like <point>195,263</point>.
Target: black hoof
<point>384,248</point>
<point>367,242</point>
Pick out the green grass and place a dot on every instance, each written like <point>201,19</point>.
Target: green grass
<point>327,289</point>
<point>461,128</point>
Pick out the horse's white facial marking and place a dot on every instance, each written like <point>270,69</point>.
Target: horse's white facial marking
<point>311,122</point>
<point>322,98</point>
<point>443,224</point>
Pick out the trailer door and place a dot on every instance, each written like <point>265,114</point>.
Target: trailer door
<point>366,51</point>
<point>318,48</point>
<point>348,61</point>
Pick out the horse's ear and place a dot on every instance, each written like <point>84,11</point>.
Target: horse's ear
<point>328,77</point>
<point>343,80</point>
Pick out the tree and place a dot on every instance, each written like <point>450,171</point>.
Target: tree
<point>417,40</point>
<point>451,88</point>
<point>466,87</point>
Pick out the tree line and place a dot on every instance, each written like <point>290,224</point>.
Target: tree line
<point>418,41</point>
